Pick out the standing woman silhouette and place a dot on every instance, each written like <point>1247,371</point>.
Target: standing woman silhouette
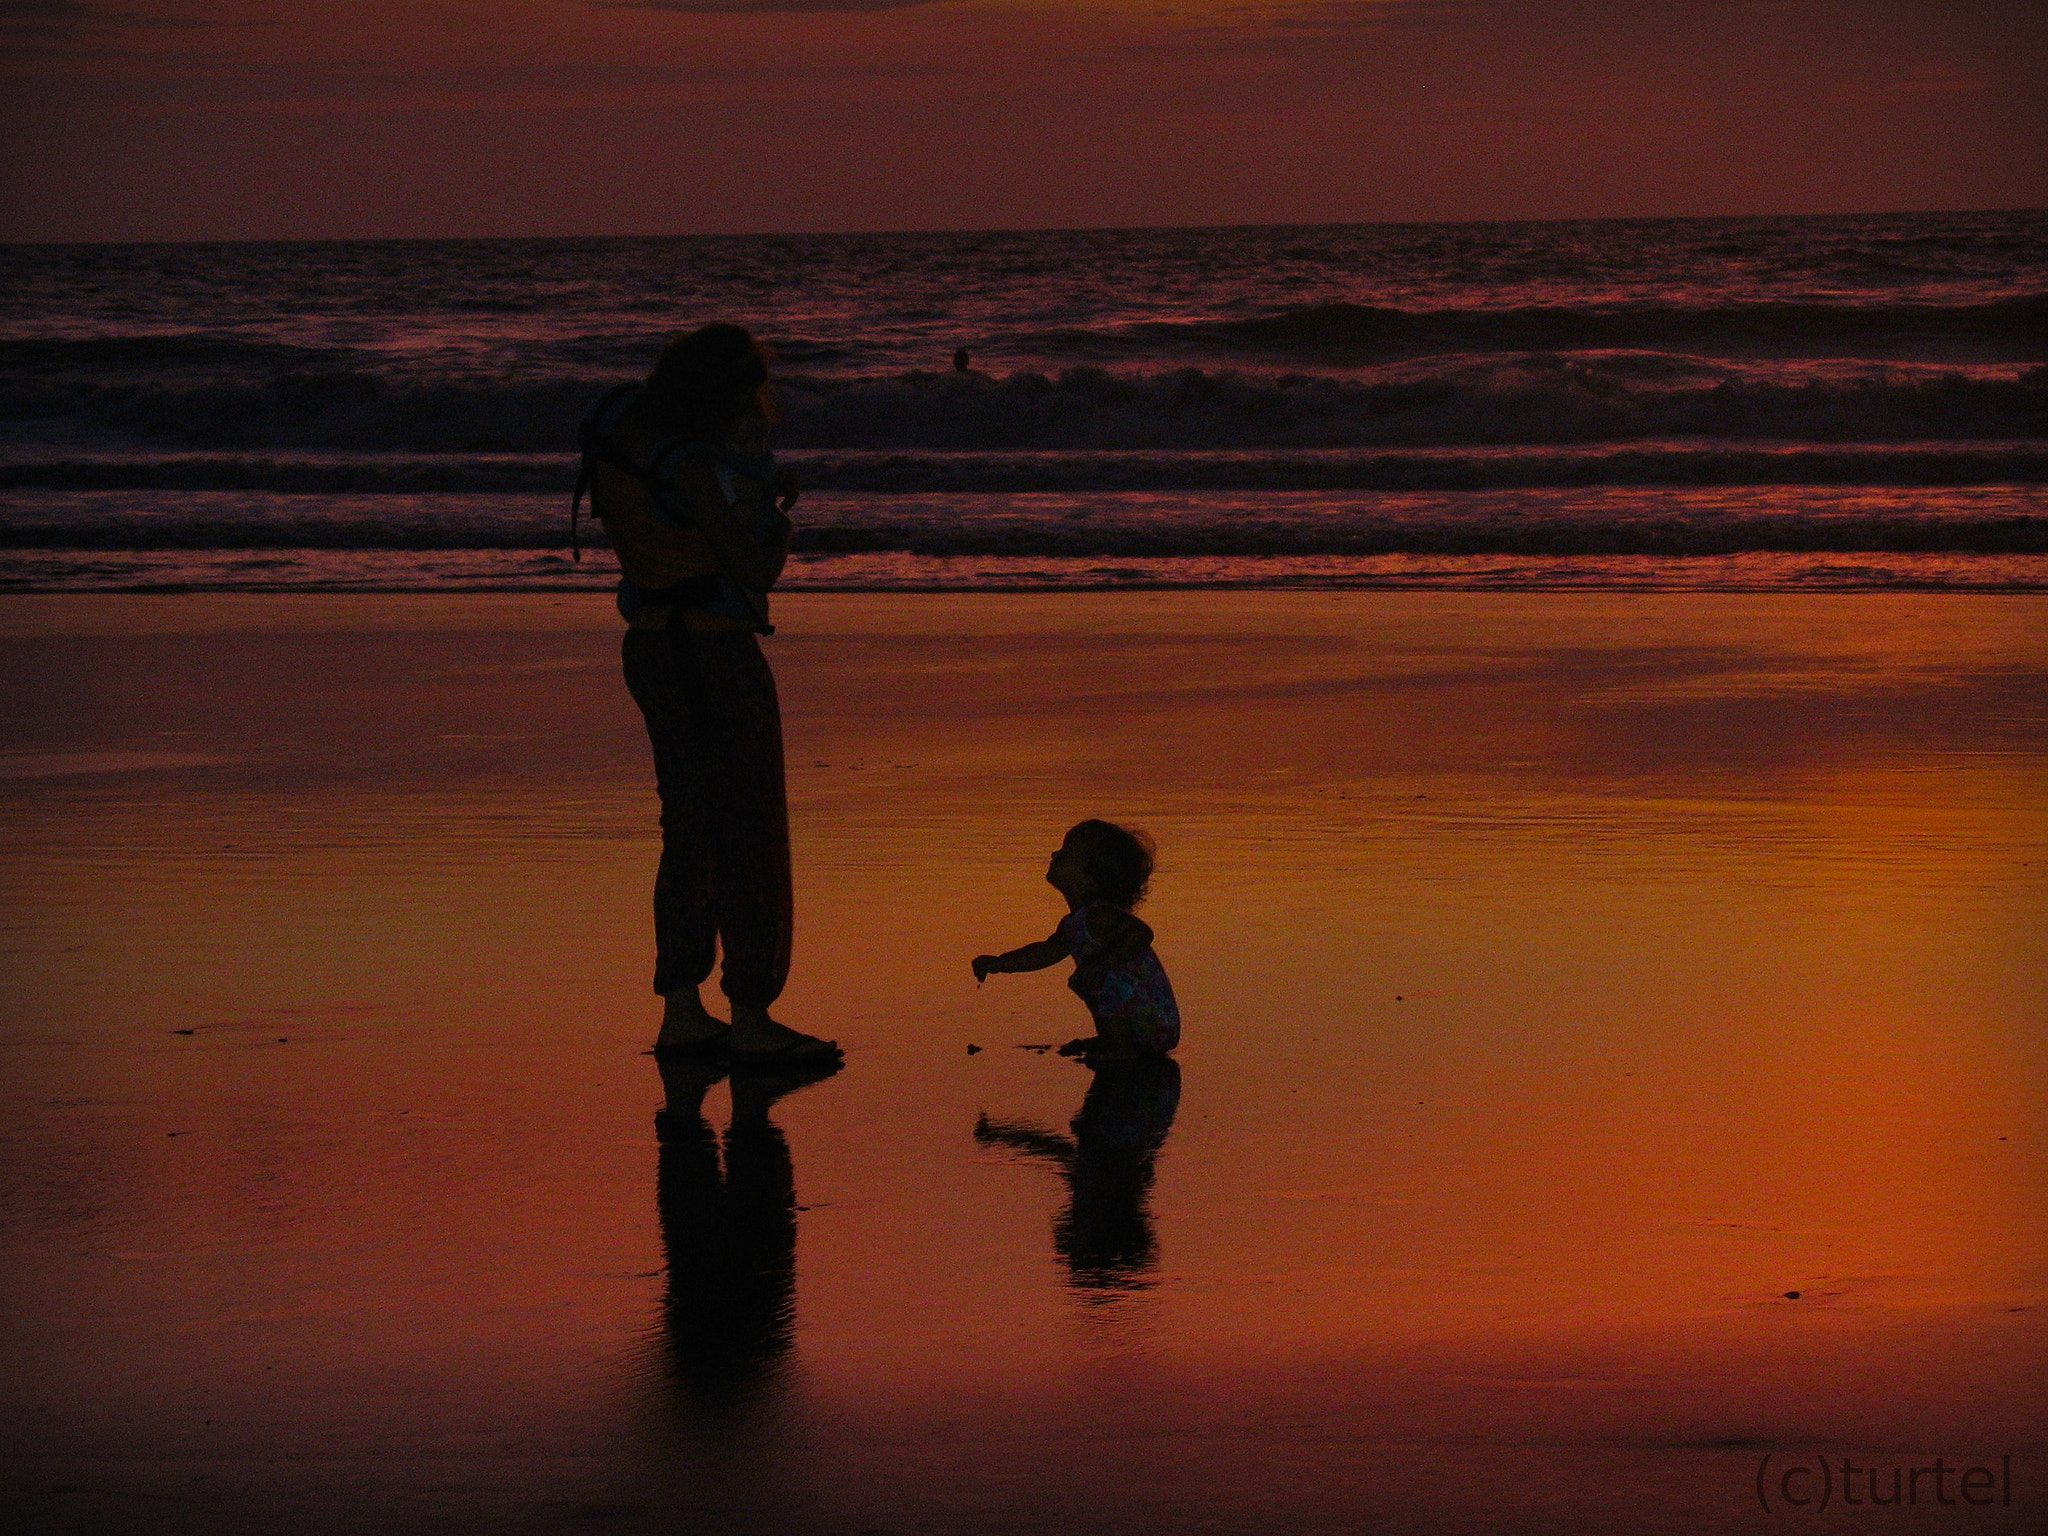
<point>680,475</point>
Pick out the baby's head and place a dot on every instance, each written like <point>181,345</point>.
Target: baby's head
<point>1115,862</point>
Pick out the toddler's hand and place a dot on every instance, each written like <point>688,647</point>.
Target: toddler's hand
<point>983,964</point>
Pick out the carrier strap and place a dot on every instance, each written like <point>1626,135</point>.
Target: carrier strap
<point>591,439</point>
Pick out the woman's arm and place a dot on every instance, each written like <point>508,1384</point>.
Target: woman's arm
<point>1028,957</point>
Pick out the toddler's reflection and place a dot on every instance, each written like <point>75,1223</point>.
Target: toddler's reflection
<point>1105,1234</point>
<point>729,1234</point>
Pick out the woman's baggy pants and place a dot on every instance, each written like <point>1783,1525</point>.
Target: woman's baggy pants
<point>709,700</point>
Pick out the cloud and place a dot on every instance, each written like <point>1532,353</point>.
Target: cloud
<point>57,20</point>
<point>45,10</point>
<point>1353,15</point>
<point>769,7</point>
<point>1918,82</point>
<point>30,27</point>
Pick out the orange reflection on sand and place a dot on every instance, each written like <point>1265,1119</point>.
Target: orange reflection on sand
<point>1567,981</point>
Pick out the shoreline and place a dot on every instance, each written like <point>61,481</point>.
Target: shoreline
<point>544,574</point>
<point>592,607</point>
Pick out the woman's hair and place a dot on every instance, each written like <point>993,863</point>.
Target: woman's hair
<point>1117,859</point>
<point>703,382</point>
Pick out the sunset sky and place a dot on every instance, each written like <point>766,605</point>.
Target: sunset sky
<point>194,119</point>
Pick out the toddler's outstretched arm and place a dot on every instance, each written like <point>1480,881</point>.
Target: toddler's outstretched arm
<point>1027,957</point>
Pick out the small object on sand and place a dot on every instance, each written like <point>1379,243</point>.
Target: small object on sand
<point>1041,1049</point>
<point>284,1039</point>
<point>184,1031</point>
<point>1791,1295</point>
<point>974,1050</point>
<point>1397,997</point>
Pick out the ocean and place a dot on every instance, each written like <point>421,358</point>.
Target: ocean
<point>1730,404</point>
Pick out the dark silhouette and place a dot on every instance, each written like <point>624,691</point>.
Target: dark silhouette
<point>680,474</point>
<point>1105,1234</point>
<point>729,1234</point>
<point>961,360</point>
<point>1103,870</point>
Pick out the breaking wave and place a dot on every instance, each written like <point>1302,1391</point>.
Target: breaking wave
<point>2015,328</point>
<point>1529,399</point>
<point>1696,462</point>
<point>1612,520</point>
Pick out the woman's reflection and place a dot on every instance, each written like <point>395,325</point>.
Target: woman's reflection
<point>729,1234</point>
<point>1105,1234</point>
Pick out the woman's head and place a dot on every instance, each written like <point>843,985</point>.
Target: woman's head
<point>1115,861</point>
<point>706,381</point>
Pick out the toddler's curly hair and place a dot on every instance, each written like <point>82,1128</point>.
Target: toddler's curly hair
<point>1118,859</point>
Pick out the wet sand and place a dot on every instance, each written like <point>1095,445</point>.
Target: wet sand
<point>1568,979</point>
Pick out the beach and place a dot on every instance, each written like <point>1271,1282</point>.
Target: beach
<point>1612,1058</point>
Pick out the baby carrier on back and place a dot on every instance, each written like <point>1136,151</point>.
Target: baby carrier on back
<point>599,447</point>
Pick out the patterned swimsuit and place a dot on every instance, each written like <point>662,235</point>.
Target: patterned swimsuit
<point>1136,993</point>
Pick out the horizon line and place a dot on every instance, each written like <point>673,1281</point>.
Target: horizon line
<point>1011,229</point>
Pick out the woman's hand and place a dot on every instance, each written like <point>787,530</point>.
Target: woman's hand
<point>787,488</point>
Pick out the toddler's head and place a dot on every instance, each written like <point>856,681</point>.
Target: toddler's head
<point>1115,861</point>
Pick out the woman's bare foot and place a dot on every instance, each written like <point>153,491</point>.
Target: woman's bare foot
<point>686,1023</point>
<point>757,1035</point>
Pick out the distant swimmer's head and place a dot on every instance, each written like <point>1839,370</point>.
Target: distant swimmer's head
<point>707,381</point>
<point>1101,861</point>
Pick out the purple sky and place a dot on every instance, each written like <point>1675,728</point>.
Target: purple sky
<point>194,119</point>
